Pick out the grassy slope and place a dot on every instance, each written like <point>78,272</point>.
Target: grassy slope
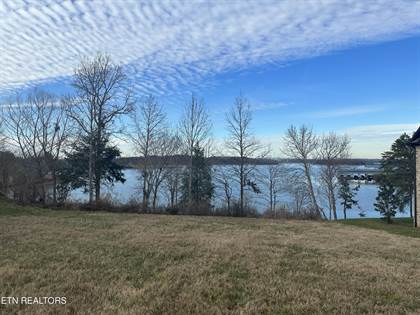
<point>399,226</point>
<point>126,263</point>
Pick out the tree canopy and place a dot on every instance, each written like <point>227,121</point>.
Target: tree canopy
<point>398,165</point>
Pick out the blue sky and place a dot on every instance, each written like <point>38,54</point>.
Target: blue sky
<point>347,66</point>
<point>370,92</point>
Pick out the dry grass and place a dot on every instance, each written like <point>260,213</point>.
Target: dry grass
<point>148,264</point>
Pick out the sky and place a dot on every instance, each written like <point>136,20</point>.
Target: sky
<point>352,67</point>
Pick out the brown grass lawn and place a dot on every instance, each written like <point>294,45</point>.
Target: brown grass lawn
<point>106,263</point>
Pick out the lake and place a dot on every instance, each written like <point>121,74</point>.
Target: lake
<point>131,189</point>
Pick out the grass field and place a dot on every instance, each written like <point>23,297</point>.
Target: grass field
<point>399,226</point>
<point>106,263</point>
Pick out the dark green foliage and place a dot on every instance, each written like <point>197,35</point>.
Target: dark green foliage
<point>387,201</point>
<point>75,171</point>
<point>202,188</point>
<point>347,195</point>
<point>399,167</point>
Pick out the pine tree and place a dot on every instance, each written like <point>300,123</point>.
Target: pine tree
<point>75,170</point>
<point>202,188</point>
<point>399,167</point>
<point>347,195</point>
<point>387,201</point>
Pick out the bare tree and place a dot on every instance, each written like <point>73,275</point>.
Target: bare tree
<point>195,127</point>
<point>38,128</point>
<point>301,144</point>
<point>296,187</point>
<point>242,143</point>
<point>332,148</point>
<point>2,136</point>
<point>223,180</point>
<point>273,182</point>
<point>6,160</point>
<point>149,129</point>
<point>172,183</point>
<point>102,96</point>
<point>168,146</point>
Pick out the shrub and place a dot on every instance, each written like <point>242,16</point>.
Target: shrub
<point>172,210</point>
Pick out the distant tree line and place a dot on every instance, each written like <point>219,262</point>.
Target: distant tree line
<point>52,145</point>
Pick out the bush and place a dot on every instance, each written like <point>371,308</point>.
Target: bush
<point>196,208</point>
<point>172,210</point>
<point>286,213</point>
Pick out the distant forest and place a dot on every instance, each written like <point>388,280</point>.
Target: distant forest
<point>178,160</point>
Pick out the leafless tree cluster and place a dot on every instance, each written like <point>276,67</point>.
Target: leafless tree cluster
<point>223,179</point>
<point>36,128</point>
<point>304,145</point>
<point>301,144</point>
<point>332,148</point>
<point>274,183</point>
<point>149,131</point>
<point>157,143</point>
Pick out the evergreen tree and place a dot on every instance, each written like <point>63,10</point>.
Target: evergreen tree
<point>399,167</point>
<point>202,188</point>
<point>387,201</point>
<point>75,171</point>
<point>347,195</point>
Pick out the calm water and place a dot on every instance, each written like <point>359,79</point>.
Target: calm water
<point>131,189</point>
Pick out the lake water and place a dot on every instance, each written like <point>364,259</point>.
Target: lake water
<point>131,189</point>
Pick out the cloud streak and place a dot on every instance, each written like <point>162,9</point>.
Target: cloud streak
<point>167,45</point>
<point>363,132</point>
<point>345,111</point>
<point>368,141</point>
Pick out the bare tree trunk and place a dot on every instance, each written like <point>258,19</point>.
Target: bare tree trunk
<point>334,206</point>
<point>172,192</point>
<point>330,210</point>
<point>176,194</point>
<point>97,191</point>
<point>54,175</point>
<point>332,201</point>
<point>242,189</point>
<point>271,199</point>
<point>155,192</point>
<point>190,174</point>
<point>145,202</point>
<point>311,189</point>
<point>90,171</point>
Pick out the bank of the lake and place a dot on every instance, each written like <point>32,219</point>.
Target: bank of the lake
<point>130,190</point>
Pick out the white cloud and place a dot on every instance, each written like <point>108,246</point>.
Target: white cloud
<point>345,111</point>
<point>384,130</point>
<point>262,106</point>
<point>368,141</point>
<point>168,44</point>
